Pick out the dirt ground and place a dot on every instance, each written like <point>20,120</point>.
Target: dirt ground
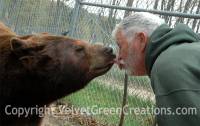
<point>63,119</point>
<point>58,121</point>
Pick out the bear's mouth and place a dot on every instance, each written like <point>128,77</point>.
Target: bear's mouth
<point>104,68</point>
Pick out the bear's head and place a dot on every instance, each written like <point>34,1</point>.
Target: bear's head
<point>44,67</point>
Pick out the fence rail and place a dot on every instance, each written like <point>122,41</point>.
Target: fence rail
<point>165,13</point>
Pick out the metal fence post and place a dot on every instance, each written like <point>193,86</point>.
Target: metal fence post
<point>122,116</point>
<point>165,13</point>
<point>74,19</point>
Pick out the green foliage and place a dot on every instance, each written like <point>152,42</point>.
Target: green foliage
<point>29,16</point>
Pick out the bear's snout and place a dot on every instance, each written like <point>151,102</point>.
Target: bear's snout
<point>108,50</point>
<point>102,59</point>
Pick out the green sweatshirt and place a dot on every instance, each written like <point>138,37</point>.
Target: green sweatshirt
<point>173,65</point>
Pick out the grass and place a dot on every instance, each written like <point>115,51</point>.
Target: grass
<point>140,81</point>
<point>104,97</point>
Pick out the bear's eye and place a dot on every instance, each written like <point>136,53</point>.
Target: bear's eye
<point>79,48</point>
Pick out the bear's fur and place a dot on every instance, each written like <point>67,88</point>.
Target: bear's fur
<point>36,70</point>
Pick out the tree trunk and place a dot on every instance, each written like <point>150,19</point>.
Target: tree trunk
<point>156,5</point>
<point>179,10</point>
<point>111,10</point>
<point>128,4</point>
<point>198,25</point>
<point>56,13</point>
<point>186,8</point>
<point>191,10</point>
<point>115,12</point>
<point>195,20</point>
<point>111,20</point>
<point>168,9</point>
<point>12,7</point>
<point>172,9</point>
<point>163,5</point>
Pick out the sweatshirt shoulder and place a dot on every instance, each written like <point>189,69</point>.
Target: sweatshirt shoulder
<point>177,68</point>
<point>178,56</point>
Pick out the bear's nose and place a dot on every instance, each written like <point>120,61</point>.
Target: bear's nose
<point>108,50</point>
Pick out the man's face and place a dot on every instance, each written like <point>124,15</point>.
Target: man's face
<point>131,53</point>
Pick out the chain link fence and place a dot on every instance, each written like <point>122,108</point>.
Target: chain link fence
<point>94,22</point>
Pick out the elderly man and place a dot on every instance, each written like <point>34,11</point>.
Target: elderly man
<point>170,57</point>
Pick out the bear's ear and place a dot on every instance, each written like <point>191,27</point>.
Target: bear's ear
<point>17,43</point>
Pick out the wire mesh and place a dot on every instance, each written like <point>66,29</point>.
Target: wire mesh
<point>30,16</point>
<point>97,27</point>
<point>93,24</point>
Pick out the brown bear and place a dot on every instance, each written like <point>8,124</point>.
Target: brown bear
<point>36,70</point>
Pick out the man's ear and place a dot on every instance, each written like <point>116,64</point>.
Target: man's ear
<point>16,43</point>
<point>143,38</point>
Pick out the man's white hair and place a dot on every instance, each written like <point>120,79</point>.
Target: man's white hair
<point>138,22</point>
